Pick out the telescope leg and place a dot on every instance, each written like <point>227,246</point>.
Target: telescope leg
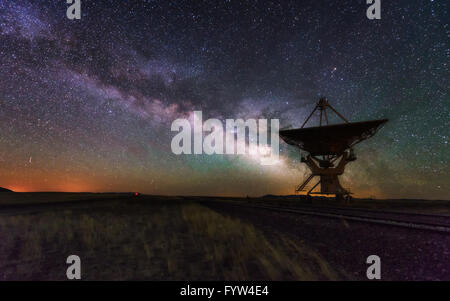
<point>302,186</point>
<point>344,198</point>
<point>313,187</point>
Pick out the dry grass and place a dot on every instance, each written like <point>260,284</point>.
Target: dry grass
<point>238,251</point>
<point>157,241</point>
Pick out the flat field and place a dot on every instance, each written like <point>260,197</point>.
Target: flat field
<point>124,237</point>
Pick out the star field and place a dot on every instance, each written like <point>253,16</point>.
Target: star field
<point>86,105</point>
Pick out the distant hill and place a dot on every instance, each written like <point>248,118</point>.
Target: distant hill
<point>5,190</point>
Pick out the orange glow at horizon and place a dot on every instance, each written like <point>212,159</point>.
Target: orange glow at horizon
<point>66,183</point>
<point>55,182</point>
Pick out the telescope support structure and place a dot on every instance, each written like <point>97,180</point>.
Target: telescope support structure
<point>324,168</point>
<point>328,174</point>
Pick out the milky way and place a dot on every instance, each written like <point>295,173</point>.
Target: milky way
<point>86,105</point>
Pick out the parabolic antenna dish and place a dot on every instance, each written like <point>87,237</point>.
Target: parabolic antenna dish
<point>331,139</point>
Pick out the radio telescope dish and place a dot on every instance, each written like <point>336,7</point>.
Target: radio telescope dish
<point>328,144</point>
<point>331,139</point>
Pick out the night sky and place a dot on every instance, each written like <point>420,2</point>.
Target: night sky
<point>86,105</point>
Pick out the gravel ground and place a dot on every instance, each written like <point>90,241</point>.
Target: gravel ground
<point>406,254</point>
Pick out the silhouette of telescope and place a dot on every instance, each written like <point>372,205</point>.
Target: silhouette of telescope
<point>331,139</point>
<point>329,148</point>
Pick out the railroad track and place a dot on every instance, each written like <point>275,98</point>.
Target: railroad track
<point>430,222</point>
